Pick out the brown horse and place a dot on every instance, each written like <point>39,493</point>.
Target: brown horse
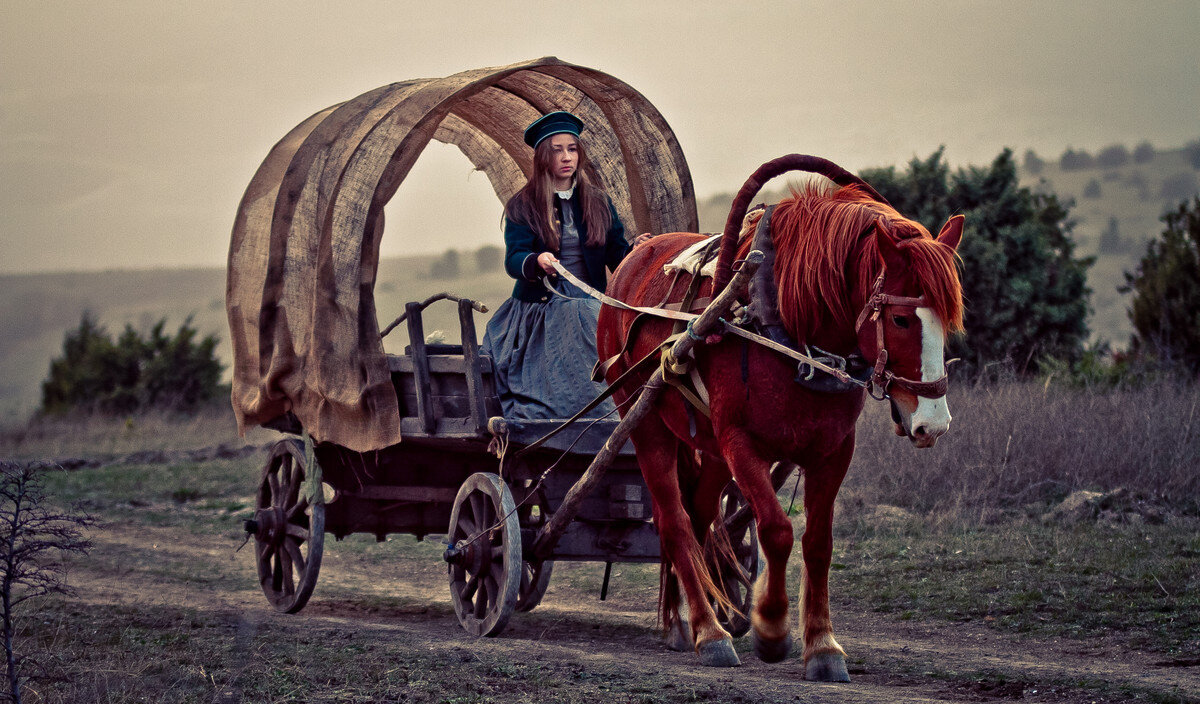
<point>853,276</point>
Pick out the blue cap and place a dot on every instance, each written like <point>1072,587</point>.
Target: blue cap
<point>552,123</point>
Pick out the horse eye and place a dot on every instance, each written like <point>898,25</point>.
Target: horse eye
<point>900,321</point>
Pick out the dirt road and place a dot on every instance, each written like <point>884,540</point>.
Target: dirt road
<point>610,647</point>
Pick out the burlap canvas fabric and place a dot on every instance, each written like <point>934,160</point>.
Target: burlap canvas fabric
<point>305,245</point>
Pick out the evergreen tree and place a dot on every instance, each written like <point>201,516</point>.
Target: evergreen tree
<point>1143,153</point>
<point>1165,310</point>
<point>1110,240</point>
<point>1033,163</point>
<point>446,266</point>
<point>1026,292</point>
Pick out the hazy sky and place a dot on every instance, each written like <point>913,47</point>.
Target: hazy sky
<point>129,129</point>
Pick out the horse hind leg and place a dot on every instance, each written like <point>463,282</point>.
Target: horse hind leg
<point>678,630</point>
<point>658,459</point>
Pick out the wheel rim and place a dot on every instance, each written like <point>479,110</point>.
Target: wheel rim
<point>485,572</point>
<point>289,530</point>
<point>738,579</point>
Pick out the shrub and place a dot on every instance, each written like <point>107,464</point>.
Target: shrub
<point>1092,189</point>
<point>1165,310</point>
<point>94,373</point>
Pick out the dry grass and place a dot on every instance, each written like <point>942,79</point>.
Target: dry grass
<point>1022,443</point>
<point>110,436</point>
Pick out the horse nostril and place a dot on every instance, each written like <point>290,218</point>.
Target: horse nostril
<point>919,431</point>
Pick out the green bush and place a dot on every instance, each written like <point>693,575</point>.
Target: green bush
<point>160,371</point>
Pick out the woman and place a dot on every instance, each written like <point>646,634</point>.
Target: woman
<point>543,345</point>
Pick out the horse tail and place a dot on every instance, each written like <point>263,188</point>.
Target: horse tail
<point>764,173</point>
<point>720,556</point>
<point>668,595</point>
<point>706,561</point>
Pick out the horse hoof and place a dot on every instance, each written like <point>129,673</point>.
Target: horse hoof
<point>772,650</point>
<point>718,653</point>
<point>679,637</point>
<point>826,667</point>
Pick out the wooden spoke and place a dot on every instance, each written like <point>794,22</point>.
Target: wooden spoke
<point>738,579</point>
<point>298,532</point>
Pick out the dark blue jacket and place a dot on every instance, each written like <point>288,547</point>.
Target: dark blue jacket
<point>522,245</point>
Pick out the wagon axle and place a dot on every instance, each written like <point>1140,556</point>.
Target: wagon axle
<point>474,555</point>
<point>268,526</point>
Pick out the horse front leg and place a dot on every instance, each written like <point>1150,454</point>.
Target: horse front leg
<point>824,659</point>
<point>657,455</point>
<point>769,615</point>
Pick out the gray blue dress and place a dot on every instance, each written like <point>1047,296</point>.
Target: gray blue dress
<point>543,346</point>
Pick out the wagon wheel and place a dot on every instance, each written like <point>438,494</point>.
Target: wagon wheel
<point>485,554</point>
<point>738,579</point>
<point>535,577</point>
<point>289,531</point>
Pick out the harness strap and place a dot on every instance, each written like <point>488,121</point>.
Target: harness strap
<point>604,298</point>
<point>838,374</point>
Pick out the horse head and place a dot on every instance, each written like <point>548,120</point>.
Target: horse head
<point>914,303</point>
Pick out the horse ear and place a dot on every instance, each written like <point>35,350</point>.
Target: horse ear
<point>951,233</point>
<point>889,250</point>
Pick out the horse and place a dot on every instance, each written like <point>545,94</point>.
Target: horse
<point>853,276</point>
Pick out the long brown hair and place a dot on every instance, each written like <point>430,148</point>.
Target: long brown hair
<point>533,205</point>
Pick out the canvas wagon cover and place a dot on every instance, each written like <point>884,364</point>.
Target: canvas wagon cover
<point>305,246</point>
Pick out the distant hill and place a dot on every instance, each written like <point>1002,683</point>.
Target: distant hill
<point>1134,196</point>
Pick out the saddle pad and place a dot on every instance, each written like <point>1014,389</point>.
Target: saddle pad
<point>692,260</point>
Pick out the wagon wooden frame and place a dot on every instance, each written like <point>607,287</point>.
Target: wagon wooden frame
<point>405,444</point>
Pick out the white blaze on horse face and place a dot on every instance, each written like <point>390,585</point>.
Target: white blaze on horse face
<point>932,417</point>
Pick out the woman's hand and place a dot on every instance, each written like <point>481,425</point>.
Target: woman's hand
<point>547,260</point>
<point>642,239</point>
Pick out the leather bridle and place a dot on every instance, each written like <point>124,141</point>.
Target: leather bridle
<point>881,378</point>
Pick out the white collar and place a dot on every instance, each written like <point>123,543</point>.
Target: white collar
<point>566,195</point>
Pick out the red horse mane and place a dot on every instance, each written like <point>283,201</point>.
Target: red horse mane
<point>819,241</point>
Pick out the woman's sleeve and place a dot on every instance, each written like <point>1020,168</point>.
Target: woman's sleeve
<point>520,252</point>
<point>616,246</point>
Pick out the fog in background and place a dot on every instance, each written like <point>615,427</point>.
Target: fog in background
<point>129,130</point>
